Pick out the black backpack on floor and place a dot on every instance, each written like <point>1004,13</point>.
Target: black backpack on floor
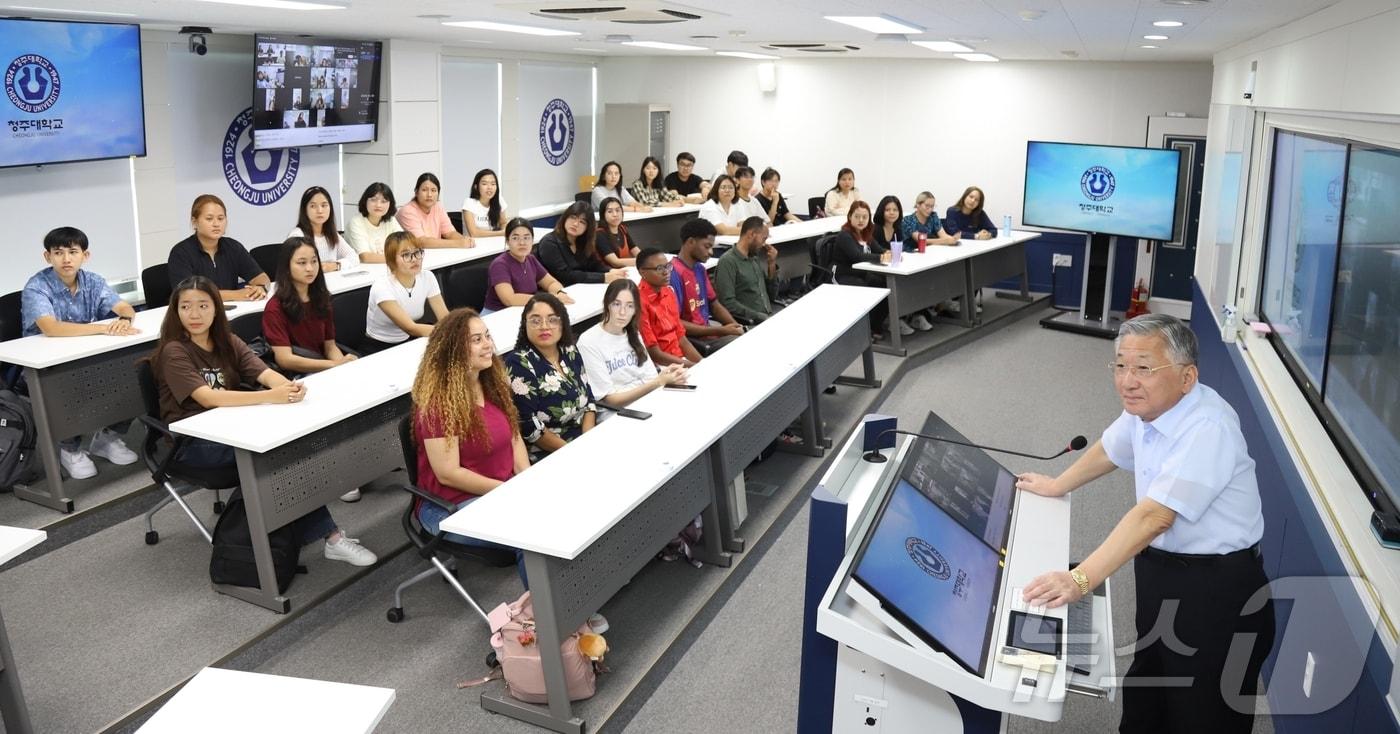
<point>232,560</point>
<point>19,462</point>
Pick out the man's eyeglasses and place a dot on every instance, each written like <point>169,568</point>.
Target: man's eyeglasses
<point>1140,371</point>
<point>411,255</point>
<point>663,268</point>
<point>536,322</point>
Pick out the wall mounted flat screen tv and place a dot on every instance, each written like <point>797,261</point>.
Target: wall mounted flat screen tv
<point>1104,189</point>
<point>72,92</point>
<point>314,91</point>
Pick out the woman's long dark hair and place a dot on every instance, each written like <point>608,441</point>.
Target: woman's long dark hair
<point>566,331</point>
<point>714,188</point>
<point>839,174</point>
<point>601,178</point>
<point>318,295</point>
<point>633,331</point>
<point>585,245</point>
<point>623,239</point>
<point>861,235</point>
<point>655,183</point>
<point>493,209</point>
<point>220,336</point>
<point>976,216</point>
<point>328,230</point>
<point>878,217</point>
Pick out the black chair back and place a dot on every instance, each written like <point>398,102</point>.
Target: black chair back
<point>816,207</point>
<point>150,395</point>
<point>160,445</point>
<point>266,258</point>
<point>409,448</point>
<point>466,286</point>
<point>155,283</point>
<point>11,320</point>
<point>247,326</point>
<point>348,311</point>
<point>823,260</point>
<point>584,196</point>
<point>456,218</point>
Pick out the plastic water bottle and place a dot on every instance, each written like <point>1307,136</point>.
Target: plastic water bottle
<point>1006,225</point>
<point>896,252</point>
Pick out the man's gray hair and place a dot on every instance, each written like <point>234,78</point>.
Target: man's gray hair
<point>1180,340</point>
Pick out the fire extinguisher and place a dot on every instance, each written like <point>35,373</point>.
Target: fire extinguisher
<point>1137,303</point>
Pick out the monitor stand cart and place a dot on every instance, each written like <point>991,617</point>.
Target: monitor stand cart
<point>1093,317</point>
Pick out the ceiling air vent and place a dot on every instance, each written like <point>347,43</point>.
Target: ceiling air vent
<point>811,48</point>
<point>633,12</point>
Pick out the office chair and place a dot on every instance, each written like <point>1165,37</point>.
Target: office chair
<point>155,285</point>
<point>246,326</point>
<point>348,311</point>
<point>11,326</point>
<point>584,196</point>
<point>823,260</point>
<point>266,258</point>
<point>442,553</point>
<point>816,207</point>
<point>466,287</point>
<point>456,218</point>
<point>159,450</point>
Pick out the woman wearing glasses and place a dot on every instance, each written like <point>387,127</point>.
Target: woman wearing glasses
<point>399,299</point>
<point>547,378</point>
<point>516,274</point>
<point>614,359</point>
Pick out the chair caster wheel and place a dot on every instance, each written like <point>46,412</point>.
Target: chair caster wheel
<point>152,537</point>
<point>395,615</point>
<point>219,507</point>
<point>491,661</point>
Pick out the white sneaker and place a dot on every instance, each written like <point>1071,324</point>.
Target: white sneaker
<point>77,463</point>
<point>351,496</point>
<point>904,328</point>
<point>110,446</point>
<point>350,551</point>
<point>598,623</point>
<point>920,322</point>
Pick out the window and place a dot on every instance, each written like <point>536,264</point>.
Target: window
<point>1332,292</point>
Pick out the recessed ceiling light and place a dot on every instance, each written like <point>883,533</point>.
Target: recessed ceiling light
<point>1029,15</point>
<point>663,46</point>
<point>529,30</point>
<point>278,4</point>
<point>1168,23</point>
<point>1185,3</point>
<point>947,47</point>
<point>1147,45</point>
<point>747,55</point>
<point>1154,37</point>
<point>977,57</point>
<point>876,23</point>
<point>434,16</point>
<point>68,11</point>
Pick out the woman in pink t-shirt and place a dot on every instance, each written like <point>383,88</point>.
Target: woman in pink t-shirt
<point>425,218</point>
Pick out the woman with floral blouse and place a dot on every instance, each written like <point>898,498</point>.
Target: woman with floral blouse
<point>547,379</point>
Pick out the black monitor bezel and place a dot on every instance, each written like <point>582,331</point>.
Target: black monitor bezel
<point>314,41</point>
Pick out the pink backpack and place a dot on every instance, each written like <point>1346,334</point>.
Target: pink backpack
<point>513,637</point>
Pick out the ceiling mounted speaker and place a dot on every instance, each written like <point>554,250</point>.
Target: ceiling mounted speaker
<point>768,77</point>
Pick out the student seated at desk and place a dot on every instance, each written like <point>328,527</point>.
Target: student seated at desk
<point>464,422</point>
<point>967,220</point>
<point>297,323</point>
<point>399,299</point>
<point>745,274</point>
<point>199,365</point>
<point>614,359</point>
<point>856,243</point>
<point>210,254</point>
<point>649,189</point>
<point>889,229</point>
<point>425,219</point>
<point>840,197</point>
<point>662,331</point>
<point>743,194</point>
<point>484,211</point>
<point>547,378</point>
<point>570,252</point>
<point>66,300</point>
<point>707,322</point>
<point>610,184</point>
<point>774,204</point>
<point>375,221</point>
<point>722,208</point>
<point>316,219</point>
<point>923,223</point>
<point>516,274</point>
<point>684,183</point>
<point>732,163</point>
<point>613,242</point>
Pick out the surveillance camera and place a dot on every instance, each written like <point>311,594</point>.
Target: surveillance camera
<point>198,45</point>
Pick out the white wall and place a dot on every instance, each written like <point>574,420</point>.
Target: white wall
<point>902,125</point>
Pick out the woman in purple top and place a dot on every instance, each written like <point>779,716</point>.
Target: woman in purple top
<point>516,274</point>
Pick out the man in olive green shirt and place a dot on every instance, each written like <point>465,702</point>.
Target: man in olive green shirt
<point>743,274</point>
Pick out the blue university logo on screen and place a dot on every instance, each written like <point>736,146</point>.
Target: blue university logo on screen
<point>259,177</point>
<point>32,83</point>
<point>557,132</point>
<point>927,558</point>
<point>1097,183</point>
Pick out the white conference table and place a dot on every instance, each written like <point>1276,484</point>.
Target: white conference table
<point>924,279</point>
<point>13,711</point>
<point>220,701</point>
<point>598,534</point>
<point>81,383</point>
<point>293,459</point>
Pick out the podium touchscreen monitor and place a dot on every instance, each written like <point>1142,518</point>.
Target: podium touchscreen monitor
<point>932,575</point>
<point>967,483</point>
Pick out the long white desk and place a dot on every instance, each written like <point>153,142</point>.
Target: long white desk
<point>922,280</point>
<point>79,384</point>
<point>13,711</point>
<point>598,535</point>
<point>219,701</point>
<point>294,458</point>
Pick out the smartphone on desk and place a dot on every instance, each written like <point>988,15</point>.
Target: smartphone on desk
<point>677,387</point>
<point>640,415</point>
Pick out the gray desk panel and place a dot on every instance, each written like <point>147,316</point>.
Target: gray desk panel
<point>87,394</point>
<point>747,439</point>
<point>924,289</point>
<point>662,232</point>
<point>841,353</point>
<point>999,265</point>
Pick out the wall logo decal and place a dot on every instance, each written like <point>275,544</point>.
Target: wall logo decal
<point>557,132</point>
<point>259,177</point>
<point>1097,183</point>
<point>32,83</point>
<point>927,558</point>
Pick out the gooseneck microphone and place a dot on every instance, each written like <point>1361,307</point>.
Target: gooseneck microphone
<point>875,457</point>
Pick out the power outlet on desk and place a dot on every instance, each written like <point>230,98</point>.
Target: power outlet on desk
<point>1061,261</point>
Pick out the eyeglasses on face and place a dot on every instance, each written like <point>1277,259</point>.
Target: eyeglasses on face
<point>536,322</point>
<point>1140,371</point>
<point>411,255</point>
<point>662,268</point>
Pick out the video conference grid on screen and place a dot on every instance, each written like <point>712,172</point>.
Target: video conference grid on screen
<point>314,91</point>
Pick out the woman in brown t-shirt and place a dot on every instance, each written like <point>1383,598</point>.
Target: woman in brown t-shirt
<point>199,364</point>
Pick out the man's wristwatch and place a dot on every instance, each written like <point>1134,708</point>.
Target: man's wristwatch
<point>1081,580</point>
<point>124,318</point>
